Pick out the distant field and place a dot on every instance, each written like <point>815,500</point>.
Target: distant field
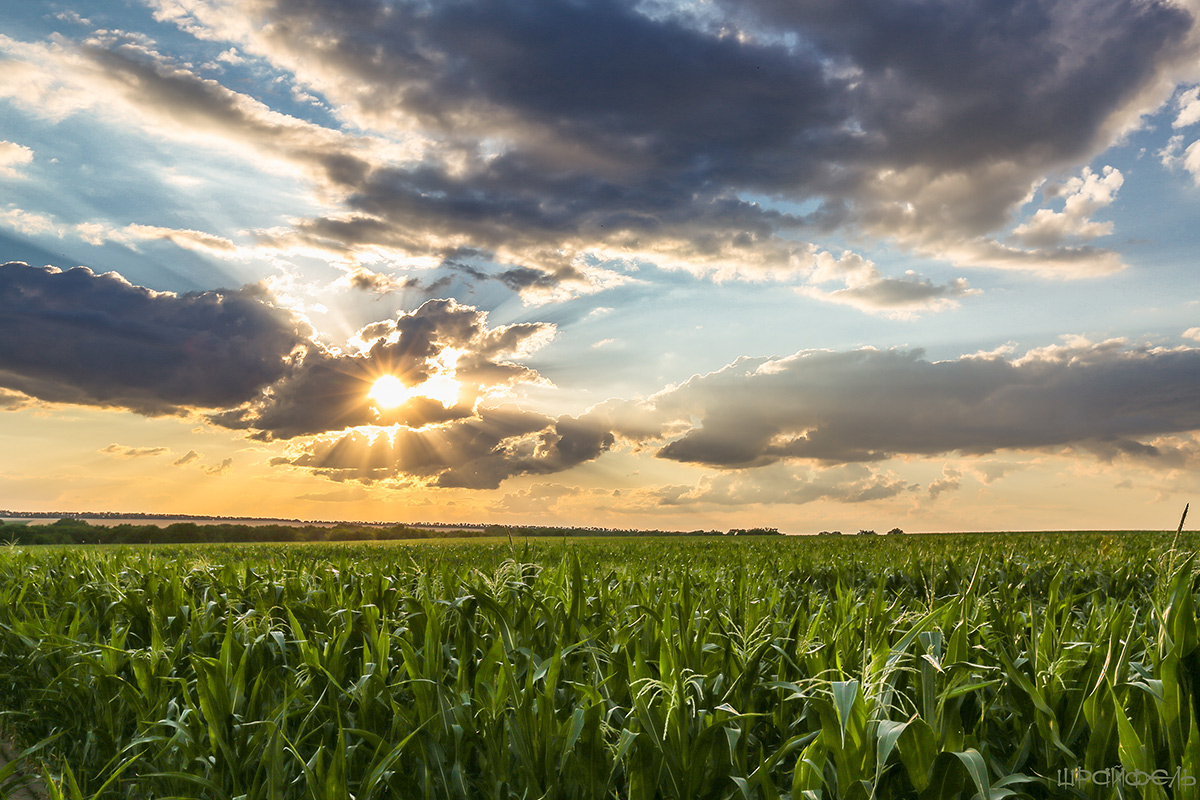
<point>938,666</point>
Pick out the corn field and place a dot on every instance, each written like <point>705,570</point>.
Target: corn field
<point>958,666</point>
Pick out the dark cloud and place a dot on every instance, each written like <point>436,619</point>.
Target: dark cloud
<point>187,458</point>
<point>475,453</point>
<point>955,84</point>
<point>96,339</point>
<point>79,337</point>
<point>366,280</point>
<point>1161,453</point>
<point>637,131</point>
<point>597,81</point>
<point>439,342</point>
<point>12,401</point>
<point>870,405</point>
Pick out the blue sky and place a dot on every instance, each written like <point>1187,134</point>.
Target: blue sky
<point>647,264</point>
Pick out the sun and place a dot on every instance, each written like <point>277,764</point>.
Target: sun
<point>388,391</point>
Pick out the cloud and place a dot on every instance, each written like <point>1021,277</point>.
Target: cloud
<point>542,151</point>
<point>1188,105</point>
<point>185,238</point>
<point>1160,453</point>
<point>1063,262</point>
<point>187,458</point>
<point>988,471</point>
<point>14,401</point>
<point>1193,334</point>
<point>1191,160</point>
<point>29,222</point>
<point>1168,156</point>
<point>12,157</point>
<point>949,215</point>
<point>1174,155</point>
<point>123,80</point>
<point>443,352</point>
<point>97,233</point>
<point>951,481</point>
<point>1084,196</point>
<point>219,469</point>
<point>121,451</point>
<point>868,290</point>
<point>539,498</point>
<point>93,339</point>
<point>366,280</point>
<point>849,483</point>
<point>479,452</point>
<point>79,337</point>
<point>870,405</point>
<point>900,297</point>
<point>231,56</point>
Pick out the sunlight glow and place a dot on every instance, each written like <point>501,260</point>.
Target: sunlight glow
<point>389,392</point>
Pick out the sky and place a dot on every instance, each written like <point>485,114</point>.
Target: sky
<point>811,265</point>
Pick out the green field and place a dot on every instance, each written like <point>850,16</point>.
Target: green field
<point>998,665</point>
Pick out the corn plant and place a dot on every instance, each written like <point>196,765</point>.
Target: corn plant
<point>885,667</point>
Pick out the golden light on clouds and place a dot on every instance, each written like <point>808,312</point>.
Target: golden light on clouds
<point>442,384</point>
<point>388,391</point>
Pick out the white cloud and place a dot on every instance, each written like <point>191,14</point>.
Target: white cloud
<point>1084,195</point>
<point>1191,160</point>
<point>98,233</point>
<point>867,289</point>
<point>12,157</point>
<point>1188,104</point>
<point>29,222</point>
<point>1174,155</point>
<point>1168,156</point>
<point>186,238</point>
<point>781,483</point>
<point>948,216</point>
<point>1063,262</point>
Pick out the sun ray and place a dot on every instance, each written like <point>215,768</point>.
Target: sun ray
<point>388,391</point>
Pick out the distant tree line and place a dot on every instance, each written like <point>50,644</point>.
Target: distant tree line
<point>76,531</point>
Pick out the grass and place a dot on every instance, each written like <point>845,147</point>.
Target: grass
<point>841,667</point>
